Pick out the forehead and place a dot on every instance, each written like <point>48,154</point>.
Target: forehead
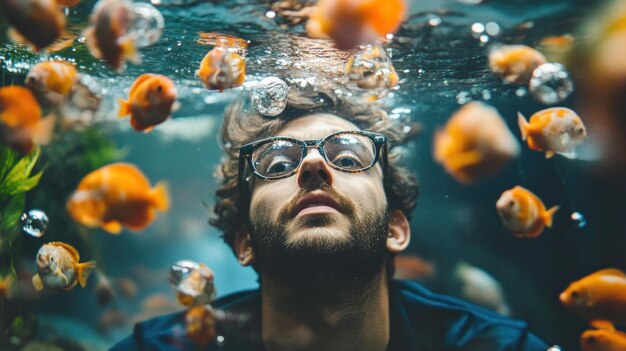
<point>315,126</point>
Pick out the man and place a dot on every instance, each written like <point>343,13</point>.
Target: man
<point>317,203</point>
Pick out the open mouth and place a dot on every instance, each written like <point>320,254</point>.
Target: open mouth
<point>316,203</point>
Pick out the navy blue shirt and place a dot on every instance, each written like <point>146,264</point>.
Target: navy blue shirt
<point>420,320</point>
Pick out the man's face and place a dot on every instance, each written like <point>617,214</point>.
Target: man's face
<point>319,219</point>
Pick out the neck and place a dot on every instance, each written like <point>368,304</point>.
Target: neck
<point>325,313</point>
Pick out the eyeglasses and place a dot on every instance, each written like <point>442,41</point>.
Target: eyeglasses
<point>280,156</point>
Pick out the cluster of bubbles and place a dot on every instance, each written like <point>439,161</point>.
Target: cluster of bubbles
<point>34,222</point>
<point>551,83</point>
<point>554,348</point>
<point>371,72</point>
<point>270,96</point>
<point>484,32</point>
<point>579,219</point>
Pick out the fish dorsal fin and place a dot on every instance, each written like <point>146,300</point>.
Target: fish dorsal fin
<point>610,271</point>
<point>67,247</point>
<point>131,171</point>
<point>142,78</point>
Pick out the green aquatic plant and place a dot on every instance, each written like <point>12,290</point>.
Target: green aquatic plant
<point>15,181</point>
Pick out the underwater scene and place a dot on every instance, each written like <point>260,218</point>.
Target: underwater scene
<point>510,114</point>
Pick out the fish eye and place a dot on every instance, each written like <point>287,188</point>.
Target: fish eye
<point>159,88</point>
<point>591,339</point>
<point>575,294</point>
<point>511,203</point>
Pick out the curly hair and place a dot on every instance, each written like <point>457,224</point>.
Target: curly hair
<point>243,125</point>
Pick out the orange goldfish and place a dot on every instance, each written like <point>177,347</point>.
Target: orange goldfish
<point>603,340</point>
<point>515,63</point>
<point>353,22</point>
<point>34,22</point>
<point>200,322</point>
<point>474,143</point>
<point>523,213</point>
<point>52,81</point>
<point>117,195</point>
<point>222,68</point>
<point>58,267</point>
<point>21,124</point>
<point>600,298</point>
<point>107,37</point>
<point>553,130</point>
<point>6,286</point>
<point>150,101</point>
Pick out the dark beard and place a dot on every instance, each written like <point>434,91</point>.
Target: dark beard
<point>362,256</point>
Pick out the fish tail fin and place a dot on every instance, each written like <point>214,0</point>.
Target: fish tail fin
<point>37,282</point>
<point>547,216</point>
<point>124,108</point>
<point>161,196</point>
<point>130,51</point>
<point>602,324</point>
<point>523,125</point>
<point>84,270</point>
<point>44,129</point>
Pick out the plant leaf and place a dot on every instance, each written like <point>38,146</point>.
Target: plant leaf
<point>26,184</point>
<point>20,171</point>
<point>6,160</point>
<point>13,210</point>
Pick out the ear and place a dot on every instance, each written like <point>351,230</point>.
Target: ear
<point>243,248</point>
<point>399,234</point>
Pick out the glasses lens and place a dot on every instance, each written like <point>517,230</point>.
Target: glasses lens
<point>350,152</point>
<point>276,158</point>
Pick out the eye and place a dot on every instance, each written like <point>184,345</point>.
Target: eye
<point>159,88</point>
<point>51,259</point>
<point>348,161</point>
<point>280,167</point>
<point>511,203</point>
<point>575,295</point>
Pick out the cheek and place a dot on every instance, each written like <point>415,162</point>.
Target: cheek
<point>364,191</point>
<point>268,198</point>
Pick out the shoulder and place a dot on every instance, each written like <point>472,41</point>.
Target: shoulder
<point>448,323</point>
<point>168,332</point>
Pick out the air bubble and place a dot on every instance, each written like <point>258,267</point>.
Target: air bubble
<point>147,25</point>
<point>270,96</point>
<point>551,83</point>
<point>34,223</point>
<point>579,218</point>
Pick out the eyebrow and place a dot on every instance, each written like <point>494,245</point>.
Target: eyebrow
<point>307,134</point>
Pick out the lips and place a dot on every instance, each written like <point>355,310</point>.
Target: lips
<point>318,200</point>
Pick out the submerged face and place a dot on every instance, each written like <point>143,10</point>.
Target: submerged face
<point>321,219</point>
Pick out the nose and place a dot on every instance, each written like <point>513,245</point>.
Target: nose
<point>314,170</point>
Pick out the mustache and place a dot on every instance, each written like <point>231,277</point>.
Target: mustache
<point>346,206</point>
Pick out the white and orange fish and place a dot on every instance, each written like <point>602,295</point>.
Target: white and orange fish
<point>52,81</point>
<point>599,298</point>
<point>200,324</point>
<point>523,213</point>
<point>222,68</point>
<point>115,196</point>
<point>353,22</point>
<point>21,124</point>
<point>474,143</point>
<point>150,102</point>
<point>34,22</point>
<point>553,130</point>
<point>515,63</point>
<point>108,36</point>
<point>58,267</point>
<point>603,340</point>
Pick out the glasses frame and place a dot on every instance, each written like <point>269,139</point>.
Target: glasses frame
<point>246,151</point>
